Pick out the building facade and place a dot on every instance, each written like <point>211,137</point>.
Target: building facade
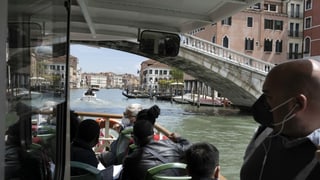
<point>259,31</point>
<point>295,29</point>
<point>152,72</point>
<point>312,29</point>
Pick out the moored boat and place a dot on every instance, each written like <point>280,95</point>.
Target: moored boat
<point>136,94</point>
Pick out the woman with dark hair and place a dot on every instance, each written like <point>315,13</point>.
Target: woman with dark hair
<point>150,114</point>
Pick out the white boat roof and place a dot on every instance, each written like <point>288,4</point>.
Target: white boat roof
<point>105,20</point>
<point>98,20</point>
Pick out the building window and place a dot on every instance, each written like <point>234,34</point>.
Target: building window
<point>278,25</point>
<point>308,23</point>
<point>278,46</point>
<point>290,50</point>
<point>214,39</point>
<point>165,72</point>
<point>160,72</point>
<point>270,7</point>
<point>248,44</point>
<point>249,21</point>
<point>225,42</point>
<point>297,30</point>
<point>297,10</point>
<point>155,71</point>
<point>62,68</point>
<point>227,21</point>
<point>292,9</point>
<point>268,24</point>
<point>267,45</point>
<point>296,50</point>
<point>308,4</point>
<point>307,45</point>
<point>150,71</point>
<point>291,29</point>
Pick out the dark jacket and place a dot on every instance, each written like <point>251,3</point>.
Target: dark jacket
<point>284,159</point>
<point>82,152</point>
<point>136,164</point>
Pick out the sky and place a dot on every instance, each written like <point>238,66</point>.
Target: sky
<point>96,59</point>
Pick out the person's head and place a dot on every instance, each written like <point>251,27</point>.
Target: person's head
<point>88,131</point>
<point>202,161</point>
<point>291,89</point>
<point>142,132</point>
<point>150,114</point>
<point>130,113</point>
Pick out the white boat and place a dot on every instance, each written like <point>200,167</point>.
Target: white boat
<point>95,87</point>
<point>183,99</point>
<point>89,95</point>
<point>193,99</point>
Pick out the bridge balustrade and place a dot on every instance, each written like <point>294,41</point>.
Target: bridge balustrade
<point>224,54</point>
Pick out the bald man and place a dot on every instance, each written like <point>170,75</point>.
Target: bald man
<point>286,142</point>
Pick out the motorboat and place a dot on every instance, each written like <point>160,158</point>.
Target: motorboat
<point>89,95</point>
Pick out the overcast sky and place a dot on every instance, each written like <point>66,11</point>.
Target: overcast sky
<point>94,59</point>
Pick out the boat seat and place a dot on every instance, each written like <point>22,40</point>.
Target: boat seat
<point>93,172</point>
<point>153,173</point>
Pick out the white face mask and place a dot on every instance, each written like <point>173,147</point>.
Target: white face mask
<point>288,116</point>
<point>126,122</point>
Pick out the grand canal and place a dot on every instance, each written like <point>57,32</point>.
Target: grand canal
<point>229,131</point>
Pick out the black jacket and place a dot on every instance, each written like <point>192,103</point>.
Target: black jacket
<point>284,159</point>
<point>82,152</point>
<point>136,164</point>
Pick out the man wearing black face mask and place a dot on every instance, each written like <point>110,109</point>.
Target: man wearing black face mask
<point>286,143</point>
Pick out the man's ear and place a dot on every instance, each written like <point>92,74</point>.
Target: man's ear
<point>302,102</point>
<point>216,172</point>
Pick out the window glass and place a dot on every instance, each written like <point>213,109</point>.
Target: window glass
<point>308,22</point>
<point>33,93</point>
<point>308,4</point>
<point>268,24</point>
<point>278,25</point>
<point>267,45</point>
<point>249,21</point>
<point>278,46</point>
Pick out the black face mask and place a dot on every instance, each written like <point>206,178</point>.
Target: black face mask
<point>261,112</point>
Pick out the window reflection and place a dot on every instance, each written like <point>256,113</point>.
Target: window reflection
<point>35,43</point>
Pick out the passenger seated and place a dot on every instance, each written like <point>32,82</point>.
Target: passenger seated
<point>111,157</point>
<point>150,153</point>
<point>202,161</point>
<point>81,148</point>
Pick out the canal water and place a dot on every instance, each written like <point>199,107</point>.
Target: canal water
<point>229,131</point>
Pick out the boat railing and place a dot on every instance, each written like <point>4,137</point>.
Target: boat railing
<point>106,139</point>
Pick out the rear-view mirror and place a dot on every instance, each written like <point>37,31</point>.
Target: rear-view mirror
<point>162,44</point>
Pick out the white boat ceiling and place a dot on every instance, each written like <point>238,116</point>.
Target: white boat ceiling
<point>96,20</point>
<point>102,20</point>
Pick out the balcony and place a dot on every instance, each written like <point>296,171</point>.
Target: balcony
<point>295,34</point>
<point>298,15</point>
<point>294,55</point>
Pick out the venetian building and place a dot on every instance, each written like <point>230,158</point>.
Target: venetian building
<point>259,31</point>
<point>312,29</point>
